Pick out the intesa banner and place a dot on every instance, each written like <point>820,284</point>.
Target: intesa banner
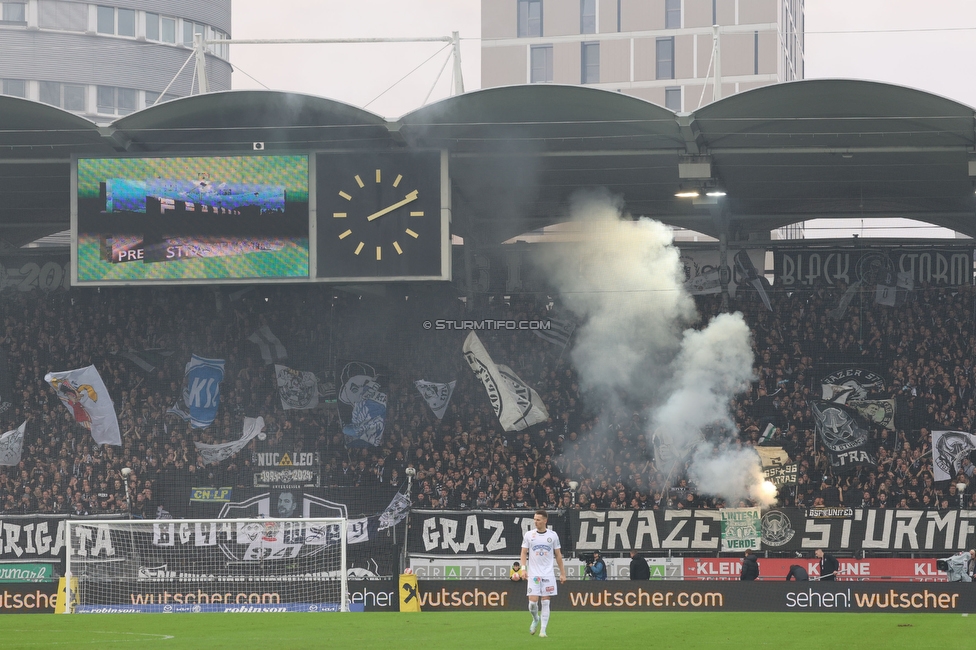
<point>938,267</point>
<point>496,532</point>
<point>783,529</point>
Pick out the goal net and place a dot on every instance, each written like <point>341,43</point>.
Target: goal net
<point>214,565</point>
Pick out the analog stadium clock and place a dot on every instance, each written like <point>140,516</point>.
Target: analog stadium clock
<point>379,216</point>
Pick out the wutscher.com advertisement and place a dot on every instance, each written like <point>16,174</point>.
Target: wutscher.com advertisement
<point>486,595</point>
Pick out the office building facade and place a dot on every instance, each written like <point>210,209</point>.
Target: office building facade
<point>658,50</point>
<point>106,60</point>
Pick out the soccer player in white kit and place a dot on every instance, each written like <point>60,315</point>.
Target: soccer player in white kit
<point>539,546</point>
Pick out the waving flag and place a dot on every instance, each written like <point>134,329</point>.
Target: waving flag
<point>437,396</point>
<point>215,453</point>
<point>12,446</point>
<point>201,391</point>
<point>84,394</point>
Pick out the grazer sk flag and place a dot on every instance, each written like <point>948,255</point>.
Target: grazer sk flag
<point>362,403</point>
<point>84,394</point>
<point>12,446</point>
<point>297,389</point>
<point>516,404</point>
<point>845,435</point>
<point>201,391</point>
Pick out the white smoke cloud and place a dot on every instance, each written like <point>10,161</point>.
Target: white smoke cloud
<point>626,284</point>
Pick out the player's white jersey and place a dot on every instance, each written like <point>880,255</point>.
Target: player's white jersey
<point>542,552</point>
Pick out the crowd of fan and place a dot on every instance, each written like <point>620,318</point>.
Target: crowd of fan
<point>921,348</point>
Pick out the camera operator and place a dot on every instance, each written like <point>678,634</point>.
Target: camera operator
<point>596,568</point>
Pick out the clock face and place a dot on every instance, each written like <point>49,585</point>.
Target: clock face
<point>379,215</point>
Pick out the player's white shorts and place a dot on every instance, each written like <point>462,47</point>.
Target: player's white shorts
<point>542,586</point>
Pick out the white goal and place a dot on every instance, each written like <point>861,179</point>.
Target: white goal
<point>206,565</point>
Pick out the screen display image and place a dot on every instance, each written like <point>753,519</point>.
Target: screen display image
<point>192,218</point>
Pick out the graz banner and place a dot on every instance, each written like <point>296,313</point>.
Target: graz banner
<point>938,267</point>
<point>589,595</point>
<point>784,529</point>
<point>439,532</point>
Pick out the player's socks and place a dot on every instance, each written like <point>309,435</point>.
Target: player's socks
<point>534,610</point>
<point>544,617</point>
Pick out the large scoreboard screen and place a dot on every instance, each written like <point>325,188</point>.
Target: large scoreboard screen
<point>170,220</point>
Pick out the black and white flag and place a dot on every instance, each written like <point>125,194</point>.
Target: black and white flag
<point>149,359</point>
<point>559,333</point>
<point>12,446</point>
<point>437,396</point>
<point>949,448</point>
<point>211,454</point>
<point>845,435</point>
<point>272,351</point>
<point>516,404</point>
<point>296,388</point>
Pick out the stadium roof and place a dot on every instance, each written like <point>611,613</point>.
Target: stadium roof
<point>783,153</point>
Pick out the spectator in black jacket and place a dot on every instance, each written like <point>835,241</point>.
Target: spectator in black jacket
<point>750,567</point>
<point>797,573</point>
<point>828,565</point>
<point>639,570</point>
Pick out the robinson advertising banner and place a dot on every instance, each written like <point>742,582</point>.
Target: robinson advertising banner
<point>496,532</point>
<point>786,529</point>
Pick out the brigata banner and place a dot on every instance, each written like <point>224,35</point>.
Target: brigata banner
<point>494,532</point>
<point>31,538</point>
<point>784,529</point>
<point>588,595</point>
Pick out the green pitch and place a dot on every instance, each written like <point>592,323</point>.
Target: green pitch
<point>489,630</point>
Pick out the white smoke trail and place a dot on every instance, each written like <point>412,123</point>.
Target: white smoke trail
<point>626,285</point>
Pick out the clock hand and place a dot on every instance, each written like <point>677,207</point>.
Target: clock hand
<point>413,196</point>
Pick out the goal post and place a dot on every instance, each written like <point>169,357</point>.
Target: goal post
<point>206,565</point>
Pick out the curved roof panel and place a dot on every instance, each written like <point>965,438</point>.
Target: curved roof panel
<point>236,119</point>
<point>31,129</point>
<point>543,118</point>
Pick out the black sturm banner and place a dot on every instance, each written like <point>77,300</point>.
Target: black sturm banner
<point>783,529</point>
<point>940,267</point>
<point>731,596</point>
<point>496,532</point>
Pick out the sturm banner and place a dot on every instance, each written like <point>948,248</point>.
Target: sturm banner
<point>831,267</point>
<point>784,529</point>
<point>441,532</point>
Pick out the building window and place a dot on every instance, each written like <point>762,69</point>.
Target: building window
<point>590,60</point>
<point>672,98</point>
<point>70,97</point>
<point>14,12</point>
<point>14,87</point>
<point>672,14</point>
<point>665,58</point>
<point>189,29</point>
<point>529,18</point>
<point>587,16</point>
<point>541,63</point>
<point>153,98</point>
<point>64,16</point>
<point>115,101</point>
<point>152,27</point>
<point>105,23</point>
<point>127,23</point>
<point>168,29</point>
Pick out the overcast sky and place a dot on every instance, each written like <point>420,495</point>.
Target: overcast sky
<point>895,41</point>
